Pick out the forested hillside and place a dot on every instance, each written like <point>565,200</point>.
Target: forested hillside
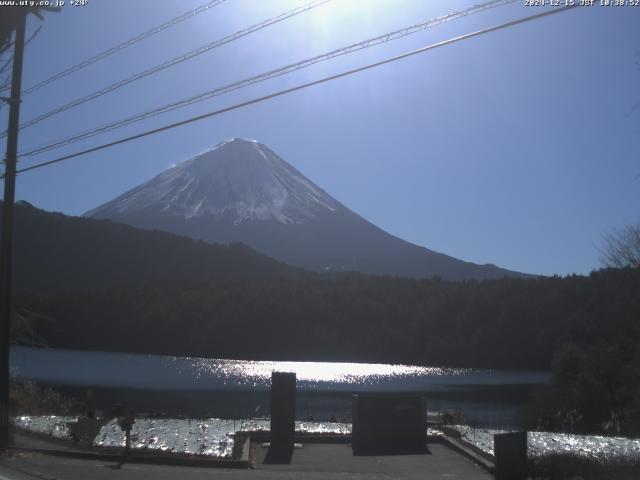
<point>506,323</point>
<point>95,284</point>
<point>56,250</point>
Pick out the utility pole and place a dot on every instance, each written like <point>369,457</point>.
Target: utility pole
<point>7,227</point>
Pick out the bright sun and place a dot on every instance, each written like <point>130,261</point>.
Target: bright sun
<point>340,14</point>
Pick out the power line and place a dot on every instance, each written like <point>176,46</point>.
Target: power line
<point>384,38</point>
<point>10,60</point>
<point>174,61</point>
<point>123,45</point>
<point>300,87</point>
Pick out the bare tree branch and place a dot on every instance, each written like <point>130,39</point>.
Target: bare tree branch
<point>622,247</point>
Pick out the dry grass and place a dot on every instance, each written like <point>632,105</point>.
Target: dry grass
<point>27,398</point>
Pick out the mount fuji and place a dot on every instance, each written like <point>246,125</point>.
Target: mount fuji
<point>241,191</point>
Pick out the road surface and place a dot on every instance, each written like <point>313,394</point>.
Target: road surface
<point>313,461</point>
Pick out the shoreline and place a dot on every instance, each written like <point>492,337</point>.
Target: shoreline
<point>490,405</point>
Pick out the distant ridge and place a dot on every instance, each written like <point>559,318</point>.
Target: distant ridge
<point>52,250</point>
<point>241,191</point>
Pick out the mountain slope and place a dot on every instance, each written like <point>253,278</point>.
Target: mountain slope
<point>241,191</point>
<point>56,250</point>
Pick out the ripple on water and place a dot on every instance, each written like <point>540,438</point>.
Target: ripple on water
<point>258,373</point>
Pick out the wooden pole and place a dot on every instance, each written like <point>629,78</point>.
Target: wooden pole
<point>7,228</point>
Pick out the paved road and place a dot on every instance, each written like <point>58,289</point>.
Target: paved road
<point>337,461</point>
<point>315,461</point>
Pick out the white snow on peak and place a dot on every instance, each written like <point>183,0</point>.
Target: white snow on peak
<point>238,180</point>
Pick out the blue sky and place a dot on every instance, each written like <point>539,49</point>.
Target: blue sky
<point>519,148</point>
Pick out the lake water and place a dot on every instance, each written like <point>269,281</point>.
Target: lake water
<point>240,389</point>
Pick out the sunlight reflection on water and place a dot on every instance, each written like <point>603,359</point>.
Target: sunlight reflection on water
<point>111,369</point>
<point>259,372</point>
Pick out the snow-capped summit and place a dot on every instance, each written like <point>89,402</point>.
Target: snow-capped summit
<point>238,180</point>
<point>241,191</point>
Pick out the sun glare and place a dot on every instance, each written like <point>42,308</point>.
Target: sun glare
<point>332,17</point>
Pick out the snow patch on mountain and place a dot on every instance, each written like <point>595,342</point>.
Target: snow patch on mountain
<point>238,180</point>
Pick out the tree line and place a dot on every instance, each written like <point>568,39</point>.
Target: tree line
<point>586,329</point>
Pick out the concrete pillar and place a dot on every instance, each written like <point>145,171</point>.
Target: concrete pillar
<point>283,417</point>
<point>388,424</point>
<point>510,451</point>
